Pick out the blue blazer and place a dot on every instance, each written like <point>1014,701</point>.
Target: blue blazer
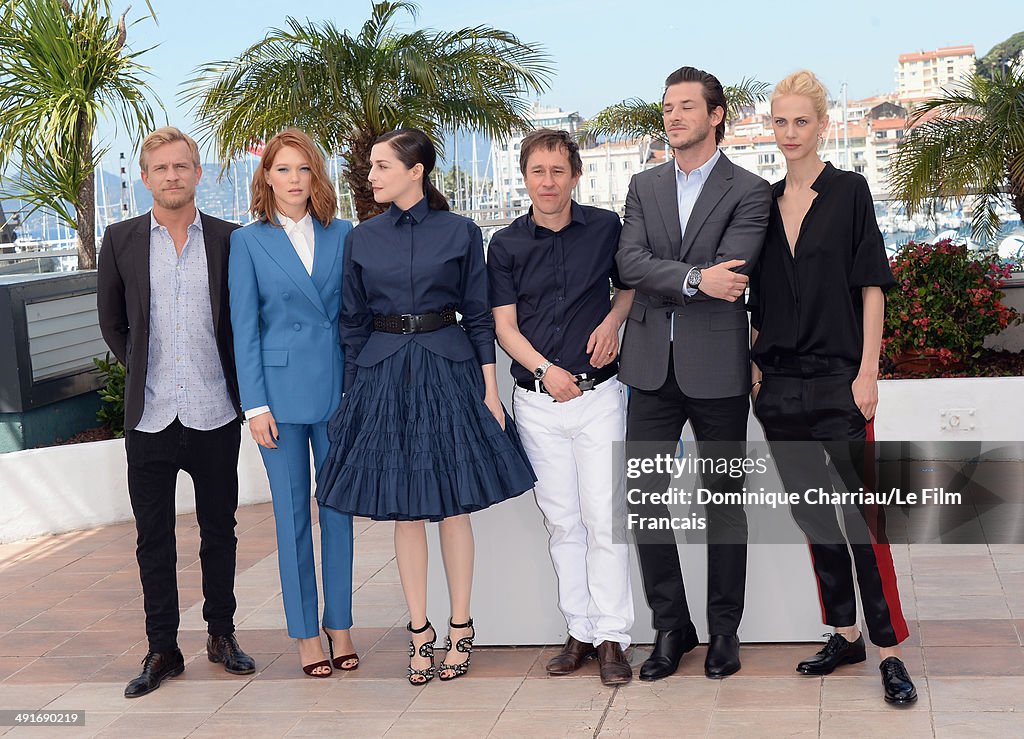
<point>285,322</point>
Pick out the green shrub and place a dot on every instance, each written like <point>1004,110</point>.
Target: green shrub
<point>111,414</point>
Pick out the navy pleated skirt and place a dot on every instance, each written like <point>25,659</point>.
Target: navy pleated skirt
<point>412,440</point>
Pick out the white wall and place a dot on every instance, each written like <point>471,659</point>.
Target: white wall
<point>979,415</point>
<point>1011,339</point>
<point>81,486</point>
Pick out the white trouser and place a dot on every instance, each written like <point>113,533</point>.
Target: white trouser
<point>582,494</point>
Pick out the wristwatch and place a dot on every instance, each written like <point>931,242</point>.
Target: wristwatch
<point>539,372</point>
<point>693,277</point>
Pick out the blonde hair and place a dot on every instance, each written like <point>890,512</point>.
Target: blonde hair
<point>322,203</point>
<point>166,135</point>
<point>804,83</point>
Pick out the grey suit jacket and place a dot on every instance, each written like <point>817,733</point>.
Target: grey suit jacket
<point>711,346</point>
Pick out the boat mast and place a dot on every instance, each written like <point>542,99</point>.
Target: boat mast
<point>846,126</point>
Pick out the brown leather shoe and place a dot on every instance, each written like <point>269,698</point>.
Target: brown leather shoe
<point>615,670</point>
<point>571,658</point>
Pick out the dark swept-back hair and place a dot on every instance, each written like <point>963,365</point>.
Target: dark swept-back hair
<point>551,140</point>
<point>714,95</point>
<point>413,147</point>
<point>322,205</point>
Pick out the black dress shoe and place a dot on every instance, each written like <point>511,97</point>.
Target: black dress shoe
<point>155,667</point>
<point>669,648</point>
<point>571,658</point>
<point>837,651</point>
<point>225,649</point>
<point>899,688</point>
<point>723,656</point>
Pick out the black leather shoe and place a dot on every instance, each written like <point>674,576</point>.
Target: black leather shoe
<point>837,651</point>
<point>723,656</point>
<point>899,688</point>
<point>225,649</point>
<point>571,658</point>
<point>155,667</point>
<point>669,648</point>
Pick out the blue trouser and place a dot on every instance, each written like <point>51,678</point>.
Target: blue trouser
<point>288,472</point>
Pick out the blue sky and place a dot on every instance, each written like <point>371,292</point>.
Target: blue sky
<point>605,51</point>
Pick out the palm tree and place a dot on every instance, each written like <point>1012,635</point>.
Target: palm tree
<point>62,66</point>
<point>969,141</point>
<point>637,119</point>
<point>345,90</point>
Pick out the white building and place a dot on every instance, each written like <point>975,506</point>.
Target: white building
<point>924,74</point>
<point>607,170</point>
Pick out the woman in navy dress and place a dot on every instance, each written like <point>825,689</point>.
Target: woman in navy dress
<point>420,434</point>
<point>817,308</point>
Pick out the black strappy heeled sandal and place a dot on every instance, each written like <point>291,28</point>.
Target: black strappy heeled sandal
<point>464,645</point>
<point>426,650</point>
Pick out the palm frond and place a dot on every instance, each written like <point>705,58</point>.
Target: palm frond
<point>744,94</point>
<point>631,119</point>
<point>62,70</point>
<point>344,90</point>
<point>638,119</point>
<point>966,142</point>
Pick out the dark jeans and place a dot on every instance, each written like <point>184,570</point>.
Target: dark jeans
<point>805,402</point>
<point>656,418</point>
<point>211,459</point>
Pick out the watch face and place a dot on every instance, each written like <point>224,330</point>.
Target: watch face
<point>694,278</point>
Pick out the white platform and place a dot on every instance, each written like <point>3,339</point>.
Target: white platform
<point>81,486</point>
<point>515,597</point>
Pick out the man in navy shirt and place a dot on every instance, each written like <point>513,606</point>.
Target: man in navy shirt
<point>549,276</point>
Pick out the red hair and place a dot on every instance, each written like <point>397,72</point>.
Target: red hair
<point>322,203</point>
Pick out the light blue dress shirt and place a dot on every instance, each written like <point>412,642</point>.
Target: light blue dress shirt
<point>688,188</point>
<point>184,377</point>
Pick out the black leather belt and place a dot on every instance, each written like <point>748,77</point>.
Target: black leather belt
<point>805,365</point>
<point>584,381</point>
<point>415,323</point>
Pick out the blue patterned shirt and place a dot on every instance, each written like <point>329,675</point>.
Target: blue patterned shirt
<point>184,377</point>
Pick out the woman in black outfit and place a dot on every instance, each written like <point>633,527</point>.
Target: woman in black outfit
<point>817,308</point>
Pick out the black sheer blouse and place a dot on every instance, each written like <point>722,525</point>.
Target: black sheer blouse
<point>810,302</point>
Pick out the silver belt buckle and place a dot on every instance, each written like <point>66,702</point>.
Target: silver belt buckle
<point>407,327</point>
<point>584,383</point>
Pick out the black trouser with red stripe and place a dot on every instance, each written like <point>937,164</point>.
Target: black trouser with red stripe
<point>809,399</point>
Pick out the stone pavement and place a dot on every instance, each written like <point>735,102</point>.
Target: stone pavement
<point>72,634</point>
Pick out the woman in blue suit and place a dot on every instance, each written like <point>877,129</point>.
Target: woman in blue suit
<point>284,279</point>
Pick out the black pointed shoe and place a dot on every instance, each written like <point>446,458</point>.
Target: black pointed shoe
<point>156,667</point>
<point>837,651</point>
<point>723,658</point>
<point>669,648</point>
<point>225,649</point>
<point>899,688</point>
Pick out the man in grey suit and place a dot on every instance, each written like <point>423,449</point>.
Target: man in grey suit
<point>692,232</point>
